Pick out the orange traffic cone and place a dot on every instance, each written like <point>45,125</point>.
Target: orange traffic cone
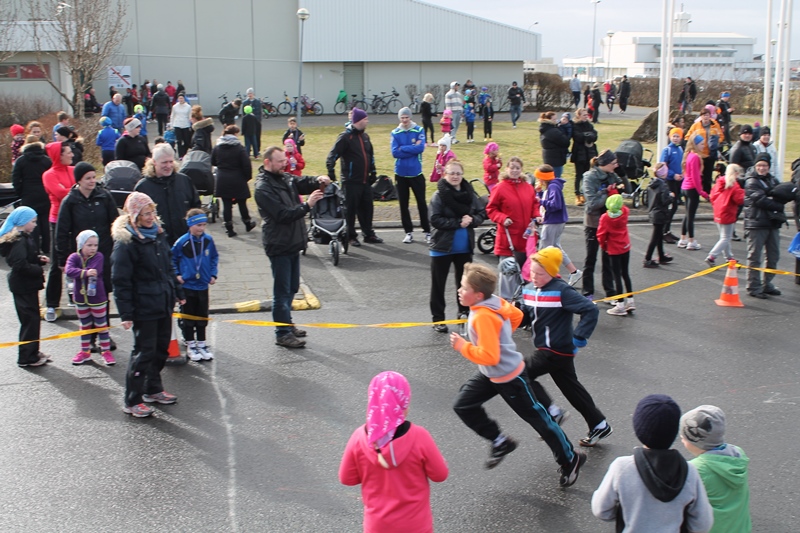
<point>729,297</point>
<point>175,356</point>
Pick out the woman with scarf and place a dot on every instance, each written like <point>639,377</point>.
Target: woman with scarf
<point>145,290</point>
<point>455,211</point>
<point>392,460</point>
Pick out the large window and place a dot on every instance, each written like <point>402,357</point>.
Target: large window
<point>24,71</point>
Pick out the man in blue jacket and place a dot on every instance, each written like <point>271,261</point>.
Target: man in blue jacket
<point>408,143</point>
<point>551,303</point>
<point>115,111</point>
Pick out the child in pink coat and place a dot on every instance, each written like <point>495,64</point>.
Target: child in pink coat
<point>492,163</point>
<point>443,156</point>
<point>446,121</point>
<point>392,460</point>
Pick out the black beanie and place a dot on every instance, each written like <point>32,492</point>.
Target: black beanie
<point>64,131</point>
<point>81,169</point>
<point>764,156</point>
<point>656,421</point>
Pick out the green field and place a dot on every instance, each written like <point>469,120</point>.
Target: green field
<point>522,142</point>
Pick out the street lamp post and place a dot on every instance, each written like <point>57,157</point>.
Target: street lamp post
<point>608,65</point>
<point>302,15</point>
<point>594,36</point>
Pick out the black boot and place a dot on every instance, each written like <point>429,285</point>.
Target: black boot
<point>229,229</point>
<point>249,225</point>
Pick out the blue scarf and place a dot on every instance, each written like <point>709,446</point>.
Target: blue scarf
<point>147,233</point>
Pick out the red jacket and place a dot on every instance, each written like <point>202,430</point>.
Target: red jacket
<point>726,202</point>
<point>57,181</point>
<point>518,202</point>
<point>397,498</point>
<point>491,169</point>
<point>612,233</point>
<point>299,165</point>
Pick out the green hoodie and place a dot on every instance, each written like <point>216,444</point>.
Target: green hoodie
<point>724,474</point>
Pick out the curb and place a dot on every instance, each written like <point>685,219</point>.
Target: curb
<point>307,302</point>
<point>577,221</point>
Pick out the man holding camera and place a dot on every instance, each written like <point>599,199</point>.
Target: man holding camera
<point>284,235</point>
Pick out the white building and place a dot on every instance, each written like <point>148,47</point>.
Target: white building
<point>361,46</point>
<point>718,56</point>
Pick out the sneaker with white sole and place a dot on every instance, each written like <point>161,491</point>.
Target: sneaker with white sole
<point>630,305</point>
<point>682,243</point>
<point>81,358</point>
<point>193,353</point>
<point>428,238</point>
<point>595,435</point>
<point>499,452</point>
<point>139,411</point>
<point>205,353</point>
<point>570,473</point>
<point>618,309</point>
<point>693,246</point>
<point>575,277</point>
<point>108,357</point>
<point>162,397</point>
<point>50,314</point>
<point>408,239</point>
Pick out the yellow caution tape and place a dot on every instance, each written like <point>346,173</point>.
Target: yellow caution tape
<point>389,325</point>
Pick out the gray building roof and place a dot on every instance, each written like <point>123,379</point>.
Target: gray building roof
<point>408,30</point>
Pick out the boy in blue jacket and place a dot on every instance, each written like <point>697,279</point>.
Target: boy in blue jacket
<point>551,304</point>
<point>195,260</point>
<point>672,155</point>
<point>107,140</point>
<point>139,113</point>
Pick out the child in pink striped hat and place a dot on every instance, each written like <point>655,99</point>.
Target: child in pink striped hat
<point>392,460</point>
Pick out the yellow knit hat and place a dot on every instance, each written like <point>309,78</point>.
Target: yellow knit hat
<point>550,258</point>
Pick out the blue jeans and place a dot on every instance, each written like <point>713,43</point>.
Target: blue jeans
<point>516,111</point>
<point>286,282</point>
<point>251,141</point>
<point>558,171</point>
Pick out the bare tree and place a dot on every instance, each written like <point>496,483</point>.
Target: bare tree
<point>10,33</point>
<point>82,35</point>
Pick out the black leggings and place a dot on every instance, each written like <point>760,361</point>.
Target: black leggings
<point>619,267</point>
<point>692,201</point>
<point>487,128</point>
<point>581,167</point>
<point>227,210</point>
<point>470,129</point>
<point>674,188</point>
<point>428,125</point>
<point>656,241</point>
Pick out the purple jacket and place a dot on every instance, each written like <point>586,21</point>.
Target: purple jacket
<point>76,269</point>
<point>553,203</point>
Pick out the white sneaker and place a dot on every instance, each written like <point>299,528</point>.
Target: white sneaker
<point>50,314</point>
<point>618,310</point>
<point>204,352</point>
<point>575,277</point>
<point>408,239</point>
<point>428,238</point>
<point>682,243</point>
<point>630,305</point>
<point>693,246</point>
<point>193,353</point>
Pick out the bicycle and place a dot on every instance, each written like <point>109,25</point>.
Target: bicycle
<point>268,108</point>
<point>393,104</point>
<point>343,105</point>
<point>415,103</point>
<point>310,106</point>
<point>286,107</point>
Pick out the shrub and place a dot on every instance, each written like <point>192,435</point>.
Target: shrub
<point>15,109</point>
<point>548,92</point>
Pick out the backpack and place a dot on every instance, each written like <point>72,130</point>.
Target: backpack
<point>383,190</point>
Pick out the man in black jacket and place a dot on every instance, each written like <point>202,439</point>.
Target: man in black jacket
<point>687,96</point>
<point>763,218</point>
<point>743,153</point>
<point>358,174</point>
<point>284,236</point>
<point>171,191</point>
<point>516,97</point>
<point>161,106</point>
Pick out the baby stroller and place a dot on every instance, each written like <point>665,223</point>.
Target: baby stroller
<point>120,179</point>
<point>8,200</point>
<point>328,225</point>
<point>485,240</point>
<point>197,165</point>
<point>633,170</point>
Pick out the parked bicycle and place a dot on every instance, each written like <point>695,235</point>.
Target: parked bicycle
<point>343,106</point>
<point>224,98</point>
<point>415,103</point>
<point>268,108</point>
<point>392,104</point>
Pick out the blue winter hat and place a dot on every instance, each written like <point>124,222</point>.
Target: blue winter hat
<point>105,121</point>
<point>726,94</point>
<point>18,217</point>
<point>698,139</point>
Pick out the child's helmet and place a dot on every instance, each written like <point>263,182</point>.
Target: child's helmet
<point>138,108</point>
<point>509,266</point>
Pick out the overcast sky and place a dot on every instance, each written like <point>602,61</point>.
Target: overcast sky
<point>566,25</point>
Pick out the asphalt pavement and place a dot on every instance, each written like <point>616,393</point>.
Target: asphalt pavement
<point>255,440</point>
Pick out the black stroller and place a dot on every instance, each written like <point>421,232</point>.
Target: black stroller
<point>120,179</point>
<point>328,224</point>
<point>197,165</point>
<point>8,200</point>
<point>633,170</point>
<point>484,241</point>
